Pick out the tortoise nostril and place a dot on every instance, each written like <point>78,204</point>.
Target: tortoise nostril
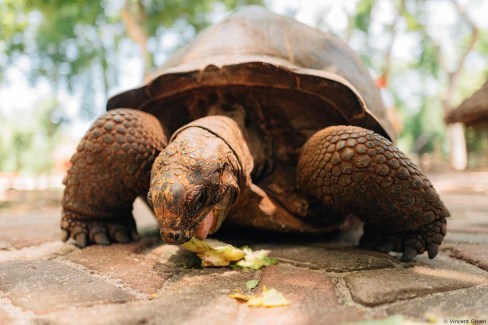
<point>176,237</point>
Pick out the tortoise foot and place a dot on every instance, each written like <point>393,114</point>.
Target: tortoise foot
<point>357,171</point>
<point>110,168</point>
<point>98,231</point>
<point>410,243</point>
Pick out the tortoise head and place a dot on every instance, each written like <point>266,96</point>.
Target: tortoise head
<point>193,186</point>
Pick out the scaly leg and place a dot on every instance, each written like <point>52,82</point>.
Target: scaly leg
<point>354,170</point>
<point>110,168</point>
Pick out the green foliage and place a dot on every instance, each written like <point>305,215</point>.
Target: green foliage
<point>28,144</point>
<point>428,61</point>
<point>362,17</point>
<point>61,39</point>
<point>164,13</point>
<point>64,39</point>
<point>425,127</point>
<point>72,44</point>
<point>77,45</point>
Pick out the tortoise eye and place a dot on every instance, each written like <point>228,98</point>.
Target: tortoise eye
<point>216,197</point>
<point>199,200</point>
<point>215,177</point>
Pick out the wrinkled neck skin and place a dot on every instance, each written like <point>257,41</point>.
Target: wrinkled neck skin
<point>199,177</point>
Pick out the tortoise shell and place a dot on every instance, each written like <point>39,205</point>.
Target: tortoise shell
<point>290,79</point>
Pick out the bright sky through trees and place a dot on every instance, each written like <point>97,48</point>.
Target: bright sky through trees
<point>415,78</point>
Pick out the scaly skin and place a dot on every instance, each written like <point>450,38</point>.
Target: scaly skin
<point>354,170</point>
<point>110,168</point>
<point>195,173</point>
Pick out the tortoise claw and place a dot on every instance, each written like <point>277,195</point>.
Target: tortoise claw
<point>65,234</point>
<point>121,237</point>
<point>101,239</point>
<point>99,231</point>
<point>433,249</point>
<point>81,240</point>
<point>135,236</point>
<point>409,254</point>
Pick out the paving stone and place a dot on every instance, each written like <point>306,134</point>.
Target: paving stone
<point>331,260</point>
<point>43,251</point>
<point>311,294</point>
<point>134,264</point>
<point>461,304</point>
<point>468,211</point>
<point>10,314</point>
<point>60,294</point>
<point>444,262</point>
<point>4,246</point>
<point>5,318</point>
<point>377,287</point>
<point>32,227</point>
<point>466,237</point>
<point>473,254</point>
<point>158,262</point>
<point>42,286</point>
<point>202,298</point>
<point>198,298</point>
<point>34,223</point>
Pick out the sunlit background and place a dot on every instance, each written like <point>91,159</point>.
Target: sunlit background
<point>61,60</point>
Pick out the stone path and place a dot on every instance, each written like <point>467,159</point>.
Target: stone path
<point>327,281</point>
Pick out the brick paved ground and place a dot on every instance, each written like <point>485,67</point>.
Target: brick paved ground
<point>43,281</point>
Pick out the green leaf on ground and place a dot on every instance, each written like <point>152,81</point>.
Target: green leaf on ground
<point>256,259</point>
<point>251,284</point>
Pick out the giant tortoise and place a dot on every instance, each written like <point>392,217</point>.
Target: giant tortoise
<point>261,122</point>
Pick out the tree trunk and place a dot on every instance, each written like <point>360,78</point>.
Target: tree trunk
<point>134,16</point>
<point>458,155</point>
<point>458,158</point>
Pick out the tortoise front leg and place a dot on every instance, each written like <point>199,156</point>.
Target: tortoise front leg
<point>110,168</point>
<point>354,170</point>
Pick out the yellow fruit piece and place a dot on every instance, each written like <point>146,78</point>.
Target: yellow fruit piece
<point>269,298</point>
<point>240,296</point>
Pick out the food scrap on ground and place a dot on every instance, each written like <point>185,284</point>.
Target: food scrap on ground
<point>214,253</point>
<point>256,259</point>
<point>269,298</point>
<point>251,284</point>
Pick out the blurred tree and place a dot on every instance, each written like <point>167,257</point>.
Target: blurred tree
<point>79,46</point>
<point>433,60</point>
<point>83,46</point>
<point>145,20</point>
<point>432,66</point>
<point>68,40</point>
<point>28,144</point>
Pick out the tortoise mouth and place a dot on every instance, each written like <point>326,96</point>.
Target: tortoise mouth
<point>208,225</point>
<point>211,220</point>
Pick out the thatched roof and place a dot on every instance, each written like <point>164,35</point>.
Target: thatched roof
<point>471,109</point>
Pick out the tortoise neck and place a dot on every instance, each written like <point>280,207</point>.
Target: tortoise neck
<point>227,130</point>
